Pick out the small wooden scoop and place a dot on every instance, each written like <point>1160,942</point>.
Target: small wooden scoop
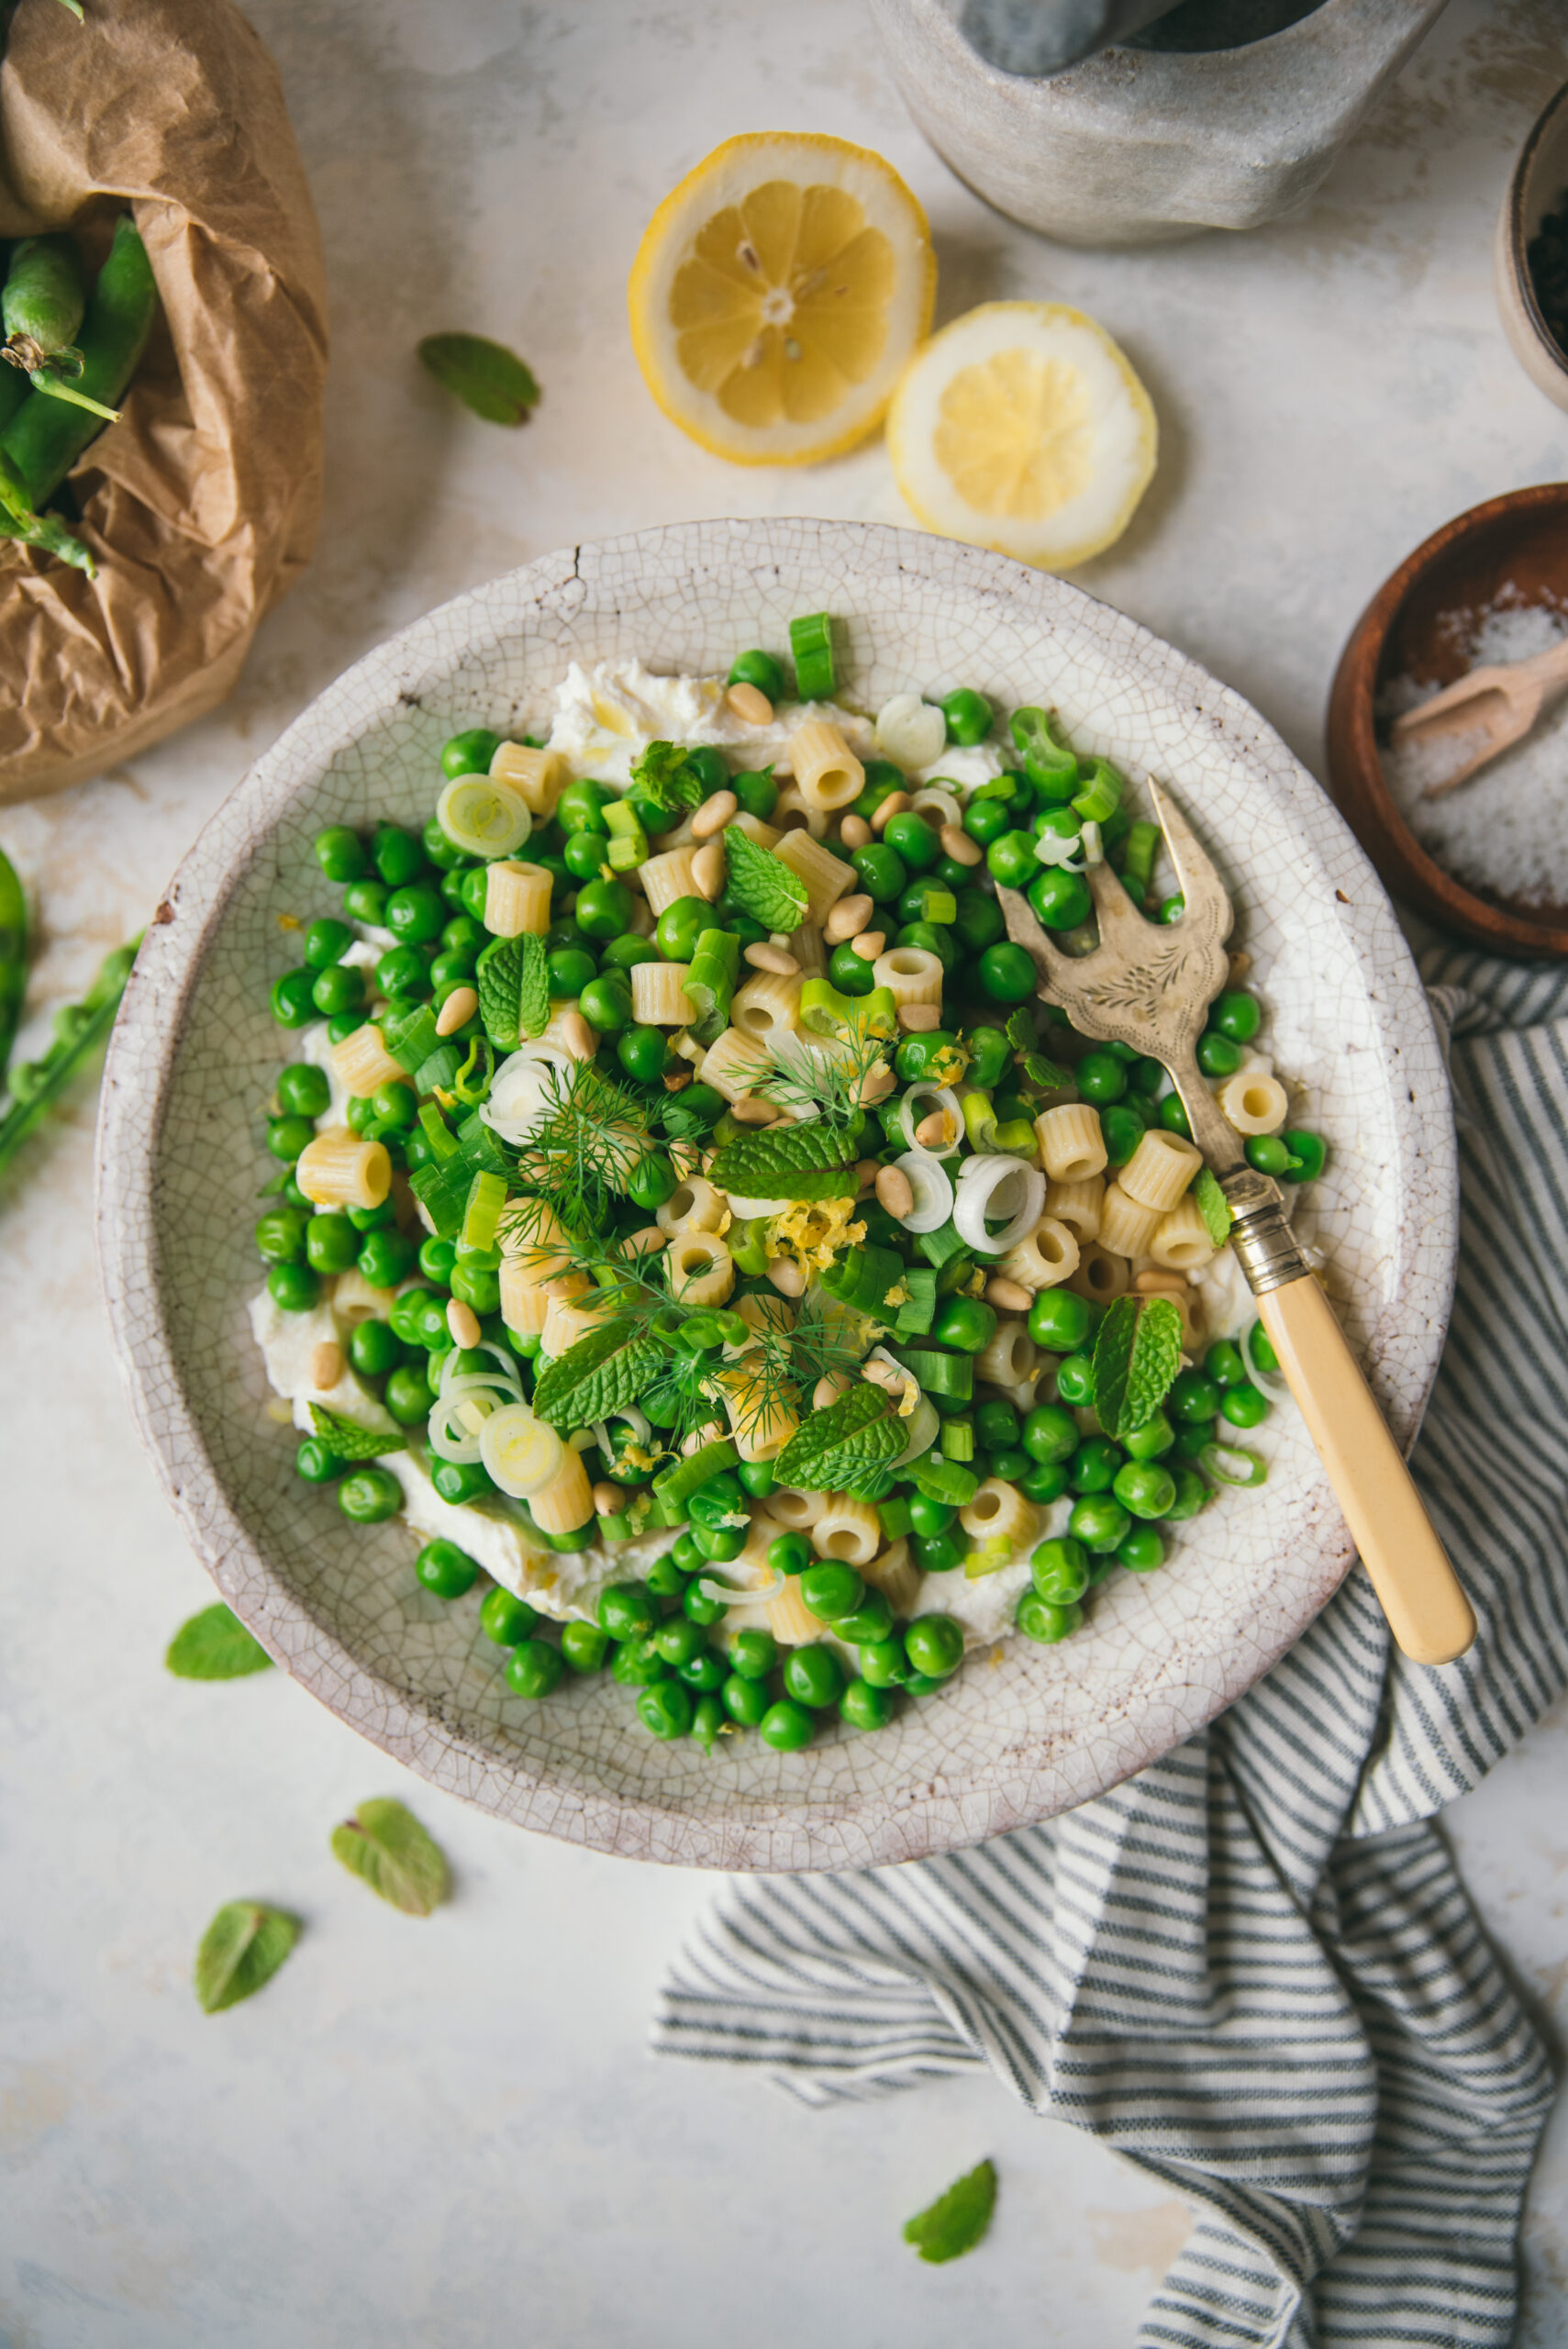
<point>1498,705</point>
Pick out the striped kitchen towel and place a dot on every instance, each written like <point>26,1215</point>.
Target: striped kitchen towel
<point>1252,1967</point>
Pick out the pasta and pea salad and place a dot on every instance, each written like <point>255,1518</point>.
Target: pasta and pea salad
<point>692,1225</point>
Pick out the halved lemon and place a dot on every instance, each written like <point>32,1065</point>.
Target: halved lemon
<point>1022,427</point>
<point>777,296</point>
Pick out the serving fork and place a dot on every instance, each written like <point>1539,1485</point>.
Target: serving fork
<point>1149,985</point>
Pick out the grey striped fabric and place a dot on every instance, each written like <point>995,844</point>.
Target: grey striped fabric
<point>1253,1968</point>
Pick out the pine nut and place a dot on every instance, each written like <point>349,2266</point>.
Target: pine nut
<point>827,1389</point>
<point>693,1443</point>
<point>866,1173</point>
<point>959,846</point>
<point>931,1133</point>
<point>869,944</point>
<point>918,1019</point>
<point>754,1113</point>
<point>458,1009</point>
<point>878,1084</point>
<point>462,1323</point>
<point>848,916</point>
<point>895,1191</point>
<point>326,1364</point>
<point>774,959</point>
<point>893,805</point>
<point>578,1037</point>
<point>855,832</point>
<point>707,871</point>
<point>714,814</point>
<point>646,1243</point>
<point>886,1375</point>
<point>1007,1296</point>
<point>608,1497</point>
<point>786,1275</point>
<point>750,704</point>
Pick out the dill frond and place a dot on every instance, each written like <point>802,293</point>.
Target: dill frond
<point>822,1076</point>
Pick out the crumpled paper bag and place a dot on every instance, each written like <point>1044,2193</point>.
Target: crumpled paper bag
<point>201,504</point>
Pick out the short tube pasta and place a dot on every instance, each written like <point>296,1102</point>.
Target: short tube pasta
<point>1077,1204</point>
<point>999,1512</point>
<point>791,804</point>
<point>700,1268</point>
<point>517,898</point>
<point>1255,1102</point>
<point>790,1620</point>
<point>526,1298</point>
<point>826,770</point>
<point>1181,1241</point>
<point>341,1169</point>
<point>848,1530</point>
<point>1072,1147</point>
<point>795,1512</point>
<point>1048,1256</point>
<point>539,777</point>
<point>691,1206</point>
<point>734,1065</point>
<point>361,1063</point>
<point>659,997</point>
<point>1185,1299</point>
<point>1008,1356</point>
<point>1125,1229</point>
<point>826,876</point>
<point>896,1576</point>
<point>910,974</point>
<point>665,878</point>
<point>1100,1275</point>
<point>760,1428</point>
<point>767,1006</point>
<point>1160,1169</point>
<point>565,1321</point>
<point>765,835</point>
<point>567,1501</point>
<point>810,954</point>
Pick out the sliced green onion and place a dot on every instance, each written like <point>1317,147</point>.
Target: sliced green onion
<point>945,1480</point>
<point>958,1440</point>
<point>482,816</point>
<point>949,1376</point>
<point>486,1197</point>
<point>1101,795</point>
<point>677,1485</point>
<point>811,648</point>
<point>438,1133</point>
<point>1229,1464</point>
<point>1138,865</point>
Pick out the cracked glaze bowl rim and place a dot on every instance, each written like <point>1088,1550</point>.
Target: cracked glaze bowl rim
<point>1045,1728</point>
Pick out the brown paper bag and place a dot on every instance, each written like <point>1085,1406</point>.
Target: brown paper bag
<point>201,504</point>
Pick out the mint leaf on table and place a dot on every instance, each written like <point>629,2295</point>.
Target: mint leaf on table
<point>240,1951</point>
<point>512,978</point>
<point>348,1441</point>
<point>384,1843</point>
<point>809,1162</point>
<point>1213,1206</point>
<point>957,2220</point>
<point>663,773</point>
<point>852,1438</point>
<point>214,1645</point>
<point>762,884</point>
<point>599,1375</point>
<point>1137,1356</point>
<point>484,375</point>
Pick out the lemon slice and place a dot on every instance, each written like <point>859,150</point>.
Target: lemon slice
<point>1022,427</point>
<point>777,296</point>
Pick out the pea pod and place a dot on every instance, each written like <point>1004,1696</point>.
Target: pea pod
<point>13,954</point>
<point>44,302</point>
<point>47,435</point>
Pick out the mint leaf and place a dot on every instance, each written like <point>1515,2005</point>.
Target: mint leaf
<point>957,2220</point>
<point>512,977</point>
<point>1213,1206</point>
<point>240,1951</point>
<point>385,1845</point>
<point>484,375</point>
<point>351,1442</point>
<point>762,884</point>
<point>533,994</point>
<point>1020,1030</point>
<point>664,775</point>
<point>809,1162</point>
<point>1137,1356</point>
<point>214,1645</point>
<point>852,1438</point>
<point>600,1375</point>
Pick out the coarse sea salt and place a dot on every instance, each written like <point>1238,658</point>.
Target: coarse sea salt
<point>1505,832</point>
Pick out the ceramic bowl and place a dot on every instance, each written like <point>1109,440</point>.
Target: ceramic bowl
<point>1023,1732</point>
<point>1537,187</point>
<point>1414,628</point>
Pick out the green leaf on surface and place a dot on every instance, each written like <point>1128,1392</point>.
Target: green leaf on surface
<point>851,1439</point>
<point>1213,1206</point>
<point>512,979</point>
<point>214,1645</point>
<point>601,1374</point>
<point>762,884</point>
<point>1137,1356</point>
<point>348,1441</point>
<point>384,1843</point>
<point>1020,1030</point>
<point>957,2220</point>
<point>664,775</point>
<point>484,375</point>
<point>240,1951</point>
<point>807,1161</point>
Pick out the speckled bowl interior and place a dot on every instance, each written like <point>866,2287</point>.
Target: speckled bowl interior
<point>1024,1730</point>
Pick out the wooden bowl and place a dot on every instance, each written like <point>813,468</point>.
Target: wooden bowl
<point>1521,541</point>
<point>1539,178</point>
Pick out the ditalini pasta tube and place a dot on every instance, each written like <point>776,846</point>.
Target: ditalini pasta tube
<point>665,878</point>
<point>361,1063</point>
<point>1160,1169</point>
<point>1008,1356</point>
<point>788,1619</point>
<point>1077,1204</point>
<point>1072,1147</point>
<point>896,1576</point>
<point>795,1512</point>
<point>1180,1240</point>
<point>564,1323</point>
<point>342,1170</point>
<point>691,1206</point>
<point>999,1512</point>
<point>733,1064</point>
<point>846,1529</point>
<point>1046,1257</point>
<point>567,1501</point>
<point>826,770</point>
<point>1185,1299</point>
<point>539,777</point>
<point>1100,1275</point>
<point>826,876</point>
<point>700,1268</point>
<point>1125,1229</point>
<point>517,898</point>
<point>525,1300</point>
<point>659,993</point>
<point>767,1006</point>
<point>909,974</point>
<point>1255,1102</point>
<point>761,1426</point>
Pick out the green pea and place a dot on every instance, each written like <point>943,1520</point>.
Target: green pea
<point>1059,1571</point>
<point>1173,1117</point>
<point>584,1646</point>
<point>1094,1465</point>
<point>340,987</point>
<point>416,915</point>
<point>339,853</point>
<point>699,1607</point>
<point>706,1672</point>
<point>927,1515</point>
<point>1143,1550</point>
<point>1009,1465</point>
<point>462,1480</point>
<point>324,941</point>
<point>978,921</point>
<point>884,1663</point>
<point>850,972</point>
<point>786,1727</point>
<point>830,1590</point>
<point>937,1553</point>
<point>1061,1321</point>
<point>1011,861</point>
<point>912,839</point>
<point>965,1323</point>
<point>1102,1079</point>
<point>365,901</point>
<point>756,1478</point>
<point>623,954</point>
<point>626,1611</point>
<point>373,1349</point>
<point>1050,1432</point>
<point>643,1052</point>
<point>1259,1351</point>
<point>1121,1129</point>
<point>1171,909</point>
<point>1192,1439</point>
<point>789,1553</point>
<point>447,1572</point>
<point>708,1722</point>
<point>637,1663</point>
<point>443,853</point>
<point>680,1640</point>
<point>570,968</point>
<point>679,927</point>
<point>437,1257</point>
<point>865,1705</point>
<point>534,1669</point>
<point>584,855</point>
<point>369,1495</point>
<point>1046,1481</point>
<point>934,1644</point>
<point>1192,1494</point>
<point>881,871</point>
<point>665,1709</point>
<point>605,908</point>
<point>753,1655</point>
<point>1039,1620</point>
<point>1224,1365</point>
<point>871,1622</point>
<point>664,1578</point>
<point>1245,1406</point>
<point>605,1003</point>
<point>758,793</point>
<point>1075,1380</point>
<point>294,1288</point>
<point>933,938</point>
<point>477,1286</point>
<point>1216,1055</point>
<point>386,1258</point>
<point>282,1236</point>
<point>1310,1153</point>
<point>581,805</point>
<point>1194,1396</point>
<point>969,715</point>
<point>1099,1521</point>
<point>985,819</point>
<point>294,998</point>
<point>331,1244</point>
<point>317,1464</point>
<point>760,668</point>
<point>1236,1014</point>
<point>502,1617</point>
<point>746,1701</point>
<point>915,1056</point>
<point>472,891</point>
<point>814,1676</point>
<point>304,1091</point>
<point>396,855</point>
<point>1151,1440</point>
<point>1145,1488</point>
<point>1061,900</point>
<point>469,753</point>
<point>1007,973</point>
<point>408,1395</point>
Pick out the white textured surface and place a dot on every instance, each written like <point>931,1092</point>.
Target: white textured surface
<point>448,2133</point>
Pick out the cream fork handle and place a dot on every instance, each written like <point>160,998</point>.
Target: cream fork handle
<point>1417,1589</point>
